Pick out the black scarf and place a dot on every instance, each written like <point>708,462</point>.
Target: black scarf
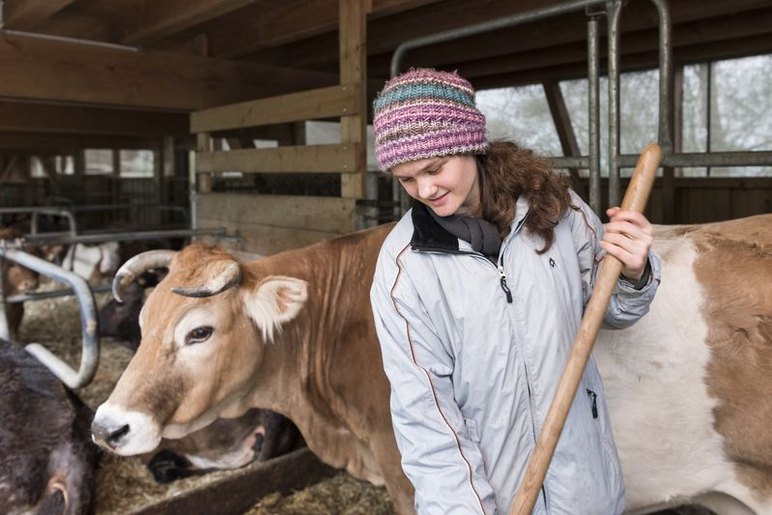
<point>480,233</point>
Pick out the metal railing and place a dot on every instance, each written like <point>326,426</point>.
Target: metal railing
<point>78,286</point>
<point>613,12</point>
<point>88,319</point>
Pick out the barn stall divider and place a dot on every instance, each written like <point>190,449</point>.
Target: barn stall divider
<point>271,223</point>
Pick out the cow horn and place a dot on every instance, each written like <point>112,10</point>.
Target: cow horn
<point>135,266</point>
<point>228,278</point>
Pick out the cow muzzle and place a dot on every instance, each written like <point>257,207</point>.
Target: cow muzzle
<point>124,432</point>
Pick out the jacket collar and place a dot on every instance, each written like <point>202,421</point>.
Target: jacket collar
<point>429,235</point>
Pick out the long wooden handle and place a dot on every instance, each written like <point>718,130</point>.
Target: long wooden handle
<point>635,198</point>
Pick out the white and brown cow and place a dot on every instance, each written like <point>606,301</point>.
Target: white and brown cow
<point>689,386</point>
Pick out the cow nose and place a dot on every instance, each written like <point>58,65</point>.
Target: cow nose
<point>108,435</point>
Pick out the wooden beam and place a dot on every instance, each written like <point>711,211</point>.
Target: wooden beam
<point>729,36</point>
<point>159,19</point>
<point>36,68</point>
<point>311,158</point>
<point>565,130</point>
<point>48,143</point>
<point>386,34</point>
<point>237,492</point>
<point>292,20</point>
<point>335,101</point>
<point>353,70</point>
<point>329,214</point>
<point>754,45</point>
<point>28,14</point>
<point>30,117</point>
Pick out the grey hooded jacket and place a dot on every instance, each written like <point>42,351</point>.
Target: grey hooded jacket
<point>473,369</point>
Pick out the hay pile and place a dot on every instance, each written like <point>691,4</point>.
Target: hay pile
<point>341,494</point>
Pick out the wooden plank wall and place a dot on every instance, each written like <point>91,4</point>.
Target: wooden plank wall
<point>268,224</point>
<point>702,200</point>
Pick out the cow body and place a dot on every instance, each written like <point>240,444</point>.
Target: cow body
<point>16,280</point>
<point>46,458</point>
<point>688,386</point>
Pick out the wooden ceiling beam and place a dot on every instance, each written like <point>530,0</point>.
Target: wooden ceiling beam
<point>54,70</point>
<point>725,28</point>
<point>159,19</point>
<point>67,143</point>
<point>291,21</point>
<point>385,35</point>
<point>31,117</point>
<point>28,14</point>
<point>736,48</point>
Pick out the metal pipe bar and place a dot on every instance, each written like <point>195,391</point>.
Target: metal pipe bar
<point>500,23</point>
<point>757,158</point>
<point>34,296</point>
<point>614,9</point>
<point>665,77</point>
<point>709,159</point>
<point>48,239</point>
<point>708,110</point>
<point>569,161</point>
<point>89,358</point>
<point>593,103</point>
<point>5,332</point>
<point>42,210</point>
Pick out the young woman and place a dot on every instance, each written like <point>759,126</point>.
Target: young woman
<point>477,296</point>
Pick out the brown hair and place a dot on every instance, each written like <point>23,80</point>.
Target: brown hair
<point>507,171</point>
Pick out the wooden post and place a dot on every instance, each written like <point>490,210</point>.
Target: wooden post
<point>568,143</point>
<point>203,144</point>
<point>353,70</point>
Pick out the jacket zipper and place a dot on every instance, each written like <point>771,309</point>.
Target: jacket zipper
<point>503,282</point>
<point>594,398</point>
<point>504,286</point>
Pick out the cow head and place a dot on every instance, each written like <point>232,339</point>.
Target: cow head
<point>204,330</point>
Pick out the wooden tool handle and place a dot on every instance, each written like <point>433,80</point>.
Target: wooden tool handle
<point>635,198</point>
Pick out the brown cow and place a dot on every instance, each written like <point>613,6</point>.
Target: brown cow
<point>16,280</point>
<point>688,386</point>
<point>296,337</point>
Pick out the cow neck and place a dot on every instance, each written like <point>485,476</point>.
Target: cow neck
<point>299,358</point>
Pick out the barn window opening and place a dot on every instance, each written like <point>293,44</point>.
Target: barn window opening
<point>520,114</point>
<point>727,107</point>
<point>98,161</point>
<point>137,163</point>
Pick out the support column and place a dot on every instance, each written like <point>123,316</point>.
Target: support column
<point>353,71</point>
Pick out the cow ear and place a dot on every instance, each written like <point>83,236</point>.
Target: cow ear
<point>274,301</point>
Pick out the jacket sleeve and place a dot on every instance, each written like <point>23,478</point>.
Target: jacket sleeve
<point>627,304</point>
<point>444,465</point>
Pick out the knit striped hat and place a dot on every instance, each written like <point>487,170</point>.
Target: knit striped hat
<point>426,113</point>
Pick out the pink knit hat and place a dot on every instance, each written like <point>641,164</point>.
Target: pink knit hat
<point>426,113</point>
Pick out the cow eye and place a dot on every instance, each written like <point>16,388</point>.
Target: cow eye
<point>198,335</point>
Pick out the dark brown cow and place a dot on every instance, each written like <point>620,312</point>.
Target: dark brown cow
<point>46,458</point>
<point>257,435</point>
<point>688,386</point>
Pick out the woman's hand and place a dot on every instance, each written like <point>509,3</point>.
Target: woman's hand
<point>628,238</point>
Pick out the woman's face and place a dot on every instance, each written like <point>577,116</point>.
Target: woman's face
<point>448,185</point>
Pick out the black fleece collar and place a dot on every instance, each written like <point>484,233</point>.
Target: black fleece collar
<point>428,234</point>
